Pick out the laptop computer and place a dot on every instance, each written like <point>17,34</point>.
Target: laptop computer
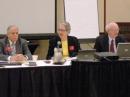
<point>86,54</point>
<point>106,56</point>
<point>123,50</point>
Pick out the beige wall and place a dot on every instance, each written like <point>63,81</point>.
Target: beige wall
<point>118,10</point>
<point>60,11</point>
<point>101,15</point>
<point>42,49</point>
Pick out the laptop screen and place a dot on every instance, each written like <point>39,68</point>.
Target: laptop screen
<point>123,50</point>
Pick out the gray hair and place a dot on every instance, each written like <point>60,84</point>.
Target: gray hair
<point>9,27</point>
<point>67,26</point>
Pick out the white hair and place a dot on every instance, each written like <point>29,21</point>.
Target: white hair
<point>110,25</point>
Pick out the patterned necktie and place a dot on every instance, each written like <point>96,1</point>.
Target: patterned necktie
<point>112,46</point>
<point>13,49</point>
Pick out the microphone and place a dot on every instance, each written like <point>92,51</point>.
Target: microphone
<point>58,44</point>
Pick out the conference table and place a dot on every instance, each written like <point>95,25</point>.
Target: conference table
<point>74,78</point>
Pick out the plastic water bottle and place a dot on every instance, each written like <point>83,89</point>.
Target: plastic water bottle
<point>57,55</point>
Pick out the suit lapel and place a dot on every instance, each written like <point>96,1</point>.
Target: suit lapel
<point>106,42</point>
<point>7,46</point>
<point>18,47</point>
<point>117,40</point>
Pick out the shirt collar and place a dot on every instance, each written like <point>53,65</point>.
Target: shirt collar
<point>10,42</point>
<point>111,39</point>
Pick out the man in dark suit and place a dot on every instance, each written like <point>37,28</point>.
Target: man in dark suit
<point>14,48</point>
<point>69,44</point>
<point>109,41</point>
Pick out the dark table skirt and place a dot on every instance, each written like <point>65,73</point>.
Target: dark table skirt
<point>82,79</point>
<point>35,82</point>
<point>101,79</point>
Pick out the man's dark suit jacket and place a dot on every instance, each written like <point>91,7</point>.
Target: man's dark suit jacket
<point>73,46</point>
<point>21,48</point>
<point>102,42</point>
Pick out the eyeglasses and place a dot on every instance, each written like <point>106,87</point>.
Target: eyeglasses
<point>61,30</point>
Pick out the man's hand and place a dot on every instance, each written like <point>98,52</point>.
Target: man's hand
<point>18,57</point>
